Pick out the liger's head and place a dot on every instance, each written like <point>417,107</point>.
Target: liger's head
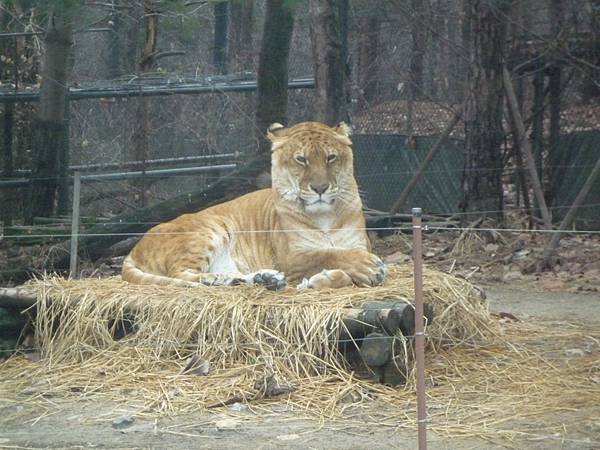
<point>311,164</point>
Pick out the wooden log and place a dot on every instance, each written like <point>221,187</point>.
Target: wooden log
<point>19,298</point>
<point>370,338</point>
<point>394,372</point>
<point>376,349</point>
<point>388,316</point>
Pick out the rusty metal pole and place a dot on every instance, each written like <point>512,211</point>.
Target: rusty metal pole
<point>75,224</point>
<point>419,328</point>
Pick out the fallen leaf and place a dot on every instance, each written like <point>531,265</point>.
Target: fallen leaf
<point>553,284</point>
<point>195,366</point>
<point>507,315</point>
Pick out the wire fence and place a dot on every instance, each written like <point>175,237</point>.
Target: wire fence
<point>394,120</point>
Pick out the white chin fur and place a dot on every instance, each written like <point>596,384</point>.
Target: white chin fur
<point>319,207</point>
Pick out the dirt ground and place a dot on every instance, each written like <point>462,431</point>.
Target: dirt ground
<point>90,423</point>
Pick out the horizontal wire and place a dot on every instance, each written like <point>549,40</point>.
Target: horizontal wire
<point>442,214</point>
<point>355,340</point>
<point>307,230</point>
<point>509,230</point>
<point>368,174</point>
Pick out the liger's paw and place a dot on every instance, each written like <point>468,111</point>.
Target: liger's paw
<point>367,270</point>
<point>327,279</point>
<point>271,279</point>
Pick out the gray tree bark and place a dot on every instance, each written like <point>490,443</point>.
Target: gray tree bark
<point>142,124</point>
<point>419,44</point>
<point>273,70</point>
<point>369,26</point>
<point>329,66</point>
<point>591,85</point>
<point>484,37</point>
<point>219,59</point>
<point>50,122</point>
<point>6,214</point>
<point>242,26</point>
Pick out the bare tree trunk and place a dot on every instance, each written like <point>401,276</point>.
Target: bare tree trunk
<point>485,35</point>
<point>591,86</point>
<point>7,129</point>
<point>219,59</point>
<point>273,70</point>
<point>417,55</point>
<point>131,47</point>
<point>50,123</point>
<point>557,12</point>
<point>368,58</point>
<point>240,48</point>
<point>519,131</point>
<point>7,162</point>
<point>114,45</point>
<point>453,64</point>
<point>329,68</point>
<point>140,134</point>
<point>554,89</point>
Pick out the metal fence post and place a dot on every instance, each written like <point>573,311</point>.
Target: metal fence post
<point>75,224</point>
<point>419,329</point>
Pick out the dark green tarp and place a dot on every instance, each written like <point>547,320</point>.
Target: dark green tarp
<point>384,164</point>
<point>578,152</point>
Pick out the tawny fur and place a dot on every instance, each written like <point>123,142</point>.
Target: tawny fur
<point>308,225</point>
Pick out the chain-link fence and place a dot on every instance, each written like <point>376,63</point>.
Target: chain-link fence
<point>395,116</point>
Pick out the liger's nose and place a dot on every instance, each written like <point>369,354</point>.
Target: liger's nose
<point>320,188</point>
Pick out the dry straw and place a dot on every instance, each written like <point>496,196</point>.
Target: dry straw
<point>485,378</point>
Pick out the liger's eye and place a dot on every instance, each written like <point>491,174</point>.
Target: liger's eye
<point>300,159</point>
<point>332,157</point>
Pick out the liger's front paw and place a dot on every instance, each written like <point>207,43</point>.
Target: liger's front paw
<point>367,270</point>
<point>271,279</point>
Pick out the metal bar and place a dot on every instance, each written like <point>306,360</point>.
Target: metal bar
<point>75,224</point>
<point>89,167</point>
<point>17,182</point>
<point>419,328</point>
<point>155,173</point>
<point>40,33</point>
<point>149,91</point>
<point>22,182</point>
<point>84,167</point>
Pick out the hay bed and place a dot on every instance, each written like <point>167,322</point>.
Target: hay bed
<point>485,378</point>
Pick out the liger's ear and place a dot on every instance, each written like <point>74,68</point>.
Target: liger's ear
<point>273,130</point>
<point>275,135</point>
<point>343,129</point>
